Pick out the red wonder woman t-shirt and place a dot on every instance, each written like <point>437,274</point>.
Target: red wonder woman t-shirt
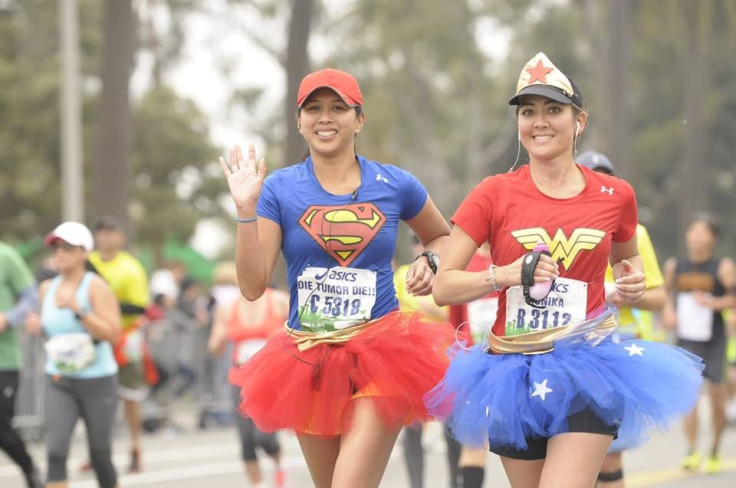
<point>510,213</point>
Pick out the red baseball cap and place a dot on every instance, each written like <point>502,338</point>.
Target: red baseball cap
<point>342,83</point>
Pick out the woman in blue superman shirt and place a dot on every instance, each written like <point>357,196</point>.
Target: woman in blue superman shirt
<point>349,370</point>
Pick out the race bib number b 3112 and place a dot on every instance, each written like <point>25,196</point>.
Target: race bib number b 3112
<point>566,304</point>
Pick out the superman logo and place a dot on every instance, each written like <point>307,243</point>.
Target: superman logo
<point>562,248</point>
<point>343,231</point>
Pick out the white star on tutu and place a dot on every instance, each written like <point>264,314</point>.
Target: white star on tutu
<point>541,389</point>
<point>635,350</point>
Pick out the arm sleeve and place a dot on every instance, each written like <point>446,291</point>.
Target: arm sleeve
<point>268,202</point>
<point>27,302</point>
<point>629,215</point>
<point>21,282</point>
<point>475,213</point>
<point>413,195</point>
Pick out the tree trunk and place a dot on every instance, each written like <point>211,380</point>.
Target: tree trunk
<point>695,167</point>
<point>616,87</point>
<point>111,176</point>
<point>296,65</point>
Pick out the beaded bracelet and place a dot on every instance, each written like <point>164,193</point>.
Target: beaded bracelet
<point>492,278</point>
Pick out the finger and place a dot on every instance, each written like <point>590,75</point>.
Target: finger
<point>422,288</point>
<point>420,278</point>
<point>234,161</point>
<point>424,291</point>
<point>251,153</point>
<point>632,278</point>
<point>239,156</point>
<point>262,168</point>
<point>627,267</point>
<point>225,168</point>
<point>414,280</point>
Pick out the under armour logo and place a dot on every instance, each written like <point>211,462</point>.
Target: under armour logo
<point>381,178</point>
<point>609,190</point>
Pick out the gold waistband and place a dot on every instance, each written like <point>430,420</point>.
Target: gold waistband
<point>304,339</point>
<point>540,342</point>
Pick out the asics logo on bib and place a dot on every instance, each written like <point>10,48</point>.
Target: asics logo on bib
<point>563,249</point>
<point>343,231</point>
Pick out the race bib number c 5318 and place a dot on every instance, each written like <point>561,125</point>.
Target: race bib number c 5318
<point>566,304</point>
<point>335,298</point>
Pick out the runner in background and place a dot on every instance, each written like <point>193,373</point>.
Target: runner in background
<point>18,296</point>
<point>127,278</point>
<point>413,434</point>
<point>629,326</point>
<point>730,317</point>
<point>247,325</point>
<point>80,318</point>
<point>700,286</point>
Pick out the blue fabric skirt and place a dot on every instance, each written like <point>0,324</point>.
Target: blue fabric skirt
<point>635,385</point>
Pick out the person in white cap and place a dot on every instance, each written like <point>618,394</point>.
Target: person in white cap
<point>81,319</point>
<point>551,389</point>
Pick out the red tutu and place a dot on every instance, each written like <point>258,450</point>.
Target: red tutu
<point>394,361</point>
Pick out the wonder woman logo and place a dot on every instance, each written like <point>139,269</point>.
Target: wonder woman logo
<point>560,246</point>
<point>343,231</point>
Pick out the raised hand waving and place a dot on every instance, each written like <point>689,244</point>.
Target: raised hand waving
<point>244,178</point>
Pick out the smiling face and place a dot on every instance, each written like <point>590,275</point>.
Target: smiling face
<point>328,124</point>
<point>547,128</point>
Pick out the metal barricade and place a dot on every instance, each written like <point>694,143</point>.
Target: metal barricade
<point>193,384</point>
<point>29,410</point>
<point>193,391</point>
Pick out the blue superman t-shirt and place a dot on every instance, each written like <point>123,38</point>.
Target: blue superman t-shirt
<point>338,248</point>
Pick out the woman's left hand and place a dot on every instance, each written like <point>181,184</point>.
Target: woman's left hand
<point>630,284</point>
<point>419,278</point>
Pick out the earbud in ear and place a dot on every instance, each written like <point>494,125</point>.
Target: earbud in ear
<point>518,135</point>
<point>577,129</point>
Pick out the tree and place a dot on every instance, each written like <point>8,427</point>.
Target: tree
<point>111,177</point>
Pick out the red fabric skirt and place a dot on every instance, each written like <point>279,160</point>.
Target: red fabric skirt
<point>394,362</point>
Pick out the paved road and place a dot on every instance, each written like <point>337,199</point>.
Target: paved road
<point>189,458</point>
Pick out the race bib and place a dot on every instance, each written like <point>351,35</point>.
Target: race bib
<point>335,298</point>
<point>694,321</point>
<point>71,353</point>
<point>481,316</point>
<point>247,349</point>
<point>133,346</point>
<point>566,304</point>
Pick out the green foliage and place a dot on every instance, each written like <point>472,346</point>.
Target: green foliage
<point>172,188</point>
<point>171,139</point>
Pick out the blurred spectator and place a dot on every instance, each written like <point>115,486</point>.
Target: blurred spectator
<point>18,296</point>
<point>127,278</point>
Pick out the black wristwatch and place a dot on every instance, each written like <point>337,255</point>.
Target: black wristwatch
<point>432,258</point>
<point>79,314</point>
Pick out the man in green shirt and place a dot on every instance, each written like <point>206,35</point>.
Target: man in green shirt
<point>18,296</point>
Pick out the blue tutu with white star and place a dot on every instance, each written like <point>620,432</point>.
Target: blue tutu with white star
<point>635,385</point>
